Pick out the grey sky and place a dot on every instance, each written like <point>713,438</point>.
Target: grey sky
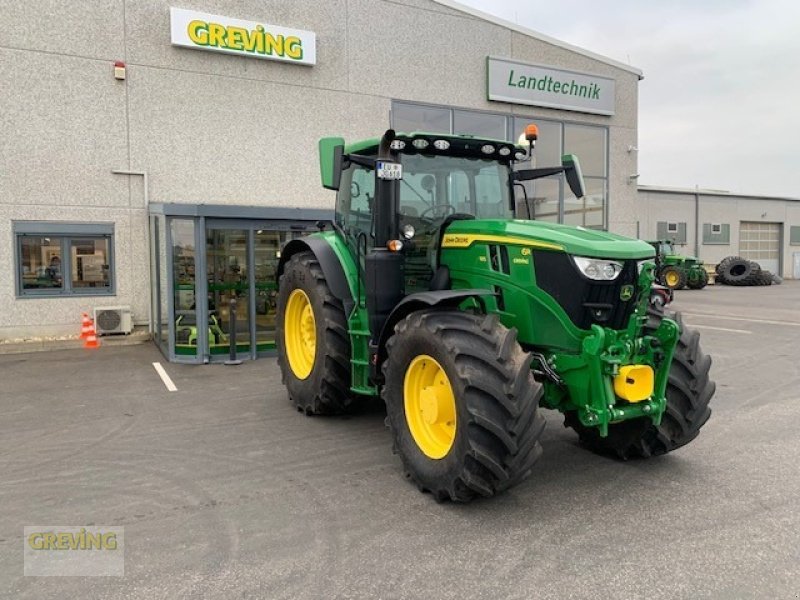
<point>719,106</point>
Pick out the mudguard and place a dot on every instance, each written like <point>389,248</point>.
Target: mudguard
<point>329,263</point>
<point>422,300</point>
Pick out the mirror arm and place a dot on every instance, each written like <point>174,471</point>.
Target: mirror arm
<point>528,174</point>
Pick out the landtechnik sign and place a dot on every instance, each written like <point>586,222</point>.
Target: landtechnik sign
<point>202,31</point>
<point>523,83</point>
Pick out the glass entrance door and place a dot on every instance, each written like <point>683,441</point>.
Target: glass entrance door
<point>228,290</point>
<point>266,253</point>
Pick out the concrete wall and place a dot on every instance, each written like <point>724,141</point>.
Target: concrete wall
<point>656,205</point>
<point>214,128</point>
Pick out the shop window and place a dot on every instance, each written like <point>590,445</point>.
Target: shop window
<point>794,235</point>
<point>63,259</point>
<point>671,231</point>
<point>479,124</point>
<point>716,233</point>
<point>413,117</point>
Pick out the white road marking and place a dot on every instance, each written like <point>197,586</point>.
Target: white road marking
<point>164,377</point>
<point>747,319</point>
<point>693,326</point>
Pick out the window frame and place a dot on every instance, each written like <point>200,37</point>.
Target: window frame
<point>67,232</point>
<point>672,227</point>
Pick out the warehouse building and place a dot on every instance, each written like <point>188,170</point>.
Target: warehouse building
<point>713,224</point>
<point>163,155</point>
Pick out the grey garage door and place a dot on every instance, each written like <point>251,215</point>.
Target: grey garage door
<point>761,242</point>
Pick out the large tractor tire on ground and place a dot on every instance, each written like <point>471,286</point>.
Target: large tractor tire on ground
<point>672,277</point>
<point>724,263</point>
<point>312,339</point>
<point>763,278</point>
<point>462,404</point>
<point>689,391</point>
<point>738,271</point>
<point>698,279</point>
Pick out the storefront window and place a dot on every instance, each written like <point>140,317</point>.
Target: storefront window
<point>479,124</point>
<point>40,259</point>
<point>589,145</point>
<point>412,117</point>
<point>90,264</point>
<point>61,262</point>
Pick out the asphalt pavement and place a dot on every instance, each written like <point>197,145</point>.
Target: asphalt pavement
<point>225,491</point>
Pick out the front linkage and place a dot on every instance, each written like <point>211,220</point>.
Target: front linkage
<point>618,375</point>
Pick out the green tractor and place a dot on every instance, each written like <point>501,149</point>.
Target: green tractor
<point>429,295</point>
<point>677,271</point>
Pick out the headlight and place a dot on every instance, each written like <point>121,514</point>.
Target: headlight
<point>408,231</point>
<point>598,268</point>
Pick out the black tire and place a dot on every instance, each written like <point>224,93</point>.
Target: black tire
<point>763,278</point>
<point>667,272</point>
<point>723,264</point>
<point>736,271</point>
<point>700,282</point>
<point>498,425</point>
<point>326,390</point>
<point>689,392</point>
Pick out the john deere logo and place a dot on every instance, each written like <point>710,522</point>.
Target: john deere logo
<point>626,293</point>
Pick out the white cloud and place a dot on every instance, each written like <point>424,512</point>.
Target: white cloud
<point>718,106</point>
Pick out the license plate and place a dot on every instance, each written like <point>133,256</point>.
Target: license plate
<point>389,170</point>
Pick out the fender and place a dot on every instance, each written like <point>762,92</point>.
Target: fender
<point>329,263</point>
<point>422,300</point>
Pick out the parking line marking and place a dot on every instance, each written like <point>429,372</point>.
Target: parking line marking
<point>747,319</point>
<point>164,377</point>
<point>718,328</point>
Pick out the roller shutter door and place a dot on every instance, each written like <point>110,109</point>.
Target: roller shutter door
<point>761,242</point>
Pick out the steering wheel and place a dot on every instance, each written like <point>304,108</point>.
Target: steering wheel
<point>449,209</point>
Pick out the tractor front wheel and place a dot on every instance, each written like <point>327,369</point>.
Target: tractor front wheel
<point>689,391</point>
<point>698,279</point>
<point>312,340</point>
<point>462,404</point>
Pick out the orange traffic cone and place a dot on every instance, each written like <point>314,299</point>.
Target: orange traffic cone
<point>86,326</point>
<point>90,341</point>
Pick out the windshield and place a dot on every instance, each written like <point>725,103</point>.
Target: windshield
<point>434,187</point>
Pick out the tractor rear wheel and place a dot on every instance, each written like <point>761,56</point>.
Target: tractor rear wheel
<point>689,391</point>
<point>672,277</point>
<point>461,403</point>
<point>312,340</point>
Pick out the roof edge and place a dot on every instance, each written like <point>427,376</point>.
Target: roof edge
<point>708,192</point>
<point>539,36</point>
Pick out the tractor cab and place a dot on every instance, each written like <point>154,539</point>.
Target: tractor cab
<point>438,179</point>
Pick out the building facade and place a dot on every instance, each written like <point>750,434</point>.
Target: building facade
<point>155,155</point>
<point>713,224</point>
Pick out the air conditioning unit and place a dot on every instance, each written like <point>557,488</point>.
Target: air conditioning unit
<point>113,319</point>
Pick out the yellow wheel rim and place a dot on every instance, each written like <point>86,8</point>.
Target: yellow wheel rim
<point>672,278</point>
<point>430,406</point>
<point>300,334</point>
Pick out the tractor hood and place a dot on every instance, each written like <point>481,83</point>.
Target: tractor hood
<point>577,241</point>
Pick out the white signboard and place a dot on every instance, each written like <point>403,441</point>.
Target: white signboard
<point>523,83</point>
<point>202,31</point>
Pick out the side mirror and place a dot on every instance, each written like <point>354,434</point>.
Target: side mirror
<point>574,175</point>
<point>331,151</point>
